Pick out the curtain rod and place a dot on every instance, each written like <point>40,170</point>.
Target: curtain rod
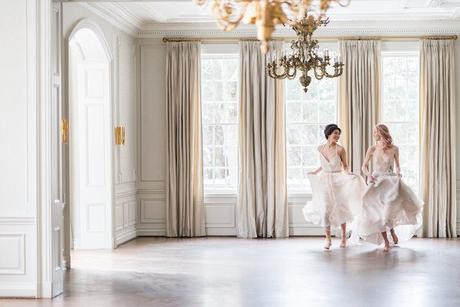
<point>324,38</point>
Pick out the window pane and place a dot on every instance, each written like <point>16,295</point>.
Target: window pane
<point>306,116</point>
<point>400,110</point>
<point>219,98</point>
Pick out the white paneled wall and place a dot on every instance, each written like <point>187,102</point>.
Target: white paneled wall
<point>124,66</point>
<point>125,156</point>
<point>18,157</point>
<point>152,139</point>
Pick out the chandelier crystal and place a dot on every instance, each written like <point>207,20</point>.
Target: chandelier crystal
<point>305,56</point>
<point>265,14</point>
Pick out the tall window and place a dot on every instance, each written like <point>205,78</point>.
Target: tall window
<point>306,116</point>
<point>219,97</point>
<point>400,109</point>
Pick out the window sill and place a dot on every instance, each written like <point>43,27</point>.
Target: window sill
<point>299,194</point>
<point>220,193</point>
<point>234,194</point>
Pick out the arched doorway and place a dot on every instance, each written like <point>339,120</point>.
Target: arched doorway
<point>90,147</point>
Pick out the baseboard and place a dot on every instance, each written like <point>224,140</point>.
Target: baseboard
<point>215,232</point>
<point>126,236</point>
<point>17,290</point>
<point>151,232</point>
<point>306,231</point>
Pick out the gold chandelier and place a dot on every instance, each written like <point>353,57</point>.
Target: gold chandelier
<point>265,14</point>
<point>305,55</point>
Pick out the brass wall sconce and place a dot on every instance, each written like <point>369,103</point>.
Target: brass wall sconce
<point>64,131</point>
<point>120,135</point>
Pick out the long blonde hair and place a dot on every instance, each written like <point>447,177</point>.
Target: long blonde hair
<point>387,140</point>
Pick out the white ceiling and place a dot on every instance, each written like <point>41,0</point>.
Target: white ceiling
<point>143,14</point>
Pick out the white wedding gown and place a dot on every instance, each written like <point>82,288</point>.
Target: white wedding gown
<point>336,194</point>
<point>387,203</point>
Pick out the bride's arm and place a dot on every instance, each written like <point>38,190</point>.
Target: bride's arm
<point>316,171</point>
<point>397,166</point>
<point>365,167</point>
<point>343,158</point>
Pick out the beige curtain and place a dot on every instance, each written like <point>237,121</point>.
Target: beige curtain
<point>437,127</point>
<point>359,99</point>
<point>184,195</point>
<point>262,197</point>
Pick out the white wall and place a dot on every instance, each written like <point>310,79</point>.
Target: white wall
<point>220,209</point>
<point>123,47</point>
<point>152,138</point>
<point>18,157</point>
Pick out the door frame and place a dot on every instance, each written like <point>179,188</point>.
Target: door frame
<point>91,25</point>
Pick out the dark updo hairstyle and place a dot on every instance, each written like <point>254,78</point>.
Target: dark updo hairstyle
<point>330,129</point>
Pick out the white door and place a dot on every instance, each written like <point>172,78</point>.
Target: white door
<point>57,207</point>
<point>92,153</point>
<point>57,151</point>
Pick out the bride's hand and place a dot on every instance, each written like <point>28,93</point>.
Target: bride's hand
<point>372,179</point>
<point>399,175</point>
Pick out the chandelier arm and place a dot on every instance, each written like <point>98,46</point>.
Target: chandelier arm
<point>292,75</point>
<point>339,2</point>
<point>337,71</point>
<point>319,75</point>
<point>327,74</point>
<point>274,74</point>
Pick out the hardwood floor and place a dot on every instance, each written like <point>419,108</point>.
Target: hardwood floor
<point>218,272</point>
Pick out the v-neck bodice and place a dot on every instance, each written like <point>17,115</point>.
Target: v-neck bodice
<point>331,165</point>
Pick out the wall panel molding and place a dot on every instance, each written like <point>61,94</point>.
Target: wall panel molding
<point>13,249</point>
<point>18,220</point>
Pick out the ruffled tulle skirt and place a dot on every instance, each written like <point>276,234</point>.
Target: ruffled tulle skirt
<point>388,203</point>
<point>336,199</point>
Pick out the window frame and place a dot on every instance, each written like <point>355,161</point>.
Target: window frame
<point>221,51</point>
<point>401,49</point>
<point>301,189</point>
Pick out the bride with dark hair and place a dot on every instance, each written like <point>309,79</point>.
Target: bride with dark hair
<point>336,191</point>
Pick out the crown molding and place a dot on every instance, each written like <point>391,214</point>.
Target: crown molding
<point>119,17</point>
<point>334,29</point>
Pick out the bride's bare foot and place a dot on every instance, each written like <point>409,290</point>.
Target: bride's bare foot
<point>343,243</point>
<point>328,244</point>
<point>386,248</point>
<point>395,237</point>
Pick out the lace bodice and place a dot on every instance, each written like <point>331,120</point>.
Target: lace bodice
<point>334,165</point>
<point>383,163</point>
